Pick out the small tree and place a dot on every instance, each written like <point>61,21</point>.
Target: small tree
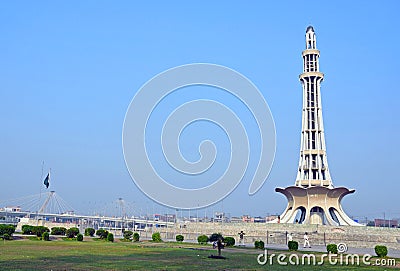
<point>128,235</point>
<point>215,237</point>
<point>46,236</point>
<point>156,237</point>
<point>202,239</point>
<point>89,232</point>
<point>110,237</point>
<point>72,232</point>
<point>136,237</point>
<point>179,238</point>
<point>79,237</point>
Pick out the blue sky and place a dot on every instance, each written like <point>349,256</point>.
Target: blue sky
<point>70,69</point>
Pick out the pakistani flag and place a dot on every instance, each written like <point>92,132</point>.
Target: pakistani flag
<point>46,181</point>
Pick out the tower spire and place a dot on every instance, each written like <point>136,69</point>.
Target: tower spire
<point>311,42</point>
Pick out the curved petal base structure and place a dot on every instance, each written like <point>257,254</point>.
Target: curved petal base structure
<point>315,205</point>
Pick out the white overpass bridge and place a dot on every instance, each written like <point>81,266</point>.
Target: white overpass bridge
<point>51,210</point>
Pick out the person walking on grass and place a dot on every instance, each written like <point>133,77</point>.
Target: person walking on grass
<point>306,241</point>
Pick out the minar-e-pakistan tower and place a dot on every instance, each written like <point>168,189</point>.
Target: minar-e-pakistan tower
<point>313,193</point>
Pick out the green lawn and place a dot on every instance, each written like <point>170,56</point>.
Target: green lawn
<point>90,255</point>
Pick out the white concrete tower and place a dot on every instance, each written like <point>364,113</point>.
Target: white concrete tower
<point>313,166</point>
<point>313,199</point>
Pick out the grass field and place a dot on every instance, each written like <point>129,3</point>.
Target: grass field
<point>90,255</point>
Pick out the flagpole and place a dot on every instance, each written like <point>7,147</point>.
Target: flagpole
<point>40,194</point>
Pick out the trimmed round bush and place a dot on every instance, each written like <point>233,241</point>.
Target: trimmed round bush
<point>229,241</point>
<point>46,236</point>
<point>7,229</point>
<point>6,236</point>
<point>79,237</point>
<point>39,230</point>
<point>332,248</point>
<point>58,231</point>
<point>293,245</point>
<point>101,233</point>
<point>89,232</point>
<point>110,237</point>
<point>27,229</point>
<point>259,244</point>
<point>72,232</point>
<point>179,238</point>
<point>136,237</point>
<point>128,235</point>
<point>381,251</point>
<point>156,237</point>
<point>202,239</point>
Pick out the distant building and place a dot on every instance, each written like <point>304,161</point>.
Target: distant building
<point>247,219</point>
<point>236,219</point>
<point>259,219</point>
<point>220,217</point>
<point>386,223</point>
<point>12,209</point>
<point>204,219</point>
<point>271,218</point>
<point>164,217</point>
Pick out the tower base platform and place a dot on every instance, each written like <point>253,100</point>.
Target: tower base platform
<point>315,205</point>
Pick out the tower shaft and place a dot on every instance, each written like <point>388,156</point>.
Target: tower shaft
<point>313,165</point>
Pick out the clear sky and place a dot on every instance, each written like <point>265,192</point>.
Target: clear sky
<point>69,69</point>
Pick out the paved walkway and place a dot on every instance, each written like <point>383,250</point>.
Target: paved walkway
<point>394,253</point>
<point>391,252</point>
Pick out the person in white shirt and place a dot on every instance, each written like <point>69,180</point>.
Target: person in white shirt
<point>289,237</point>
<point>306,241</point>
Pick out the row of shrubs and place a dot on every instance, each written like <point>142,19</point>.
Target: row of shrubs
<point>6,232</point>
<point>202,239</point>
<point>44,232</point>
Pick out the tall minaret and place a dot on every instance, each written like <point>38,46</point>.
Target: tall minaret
<point>313,199</point>
<point>313,166</point>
